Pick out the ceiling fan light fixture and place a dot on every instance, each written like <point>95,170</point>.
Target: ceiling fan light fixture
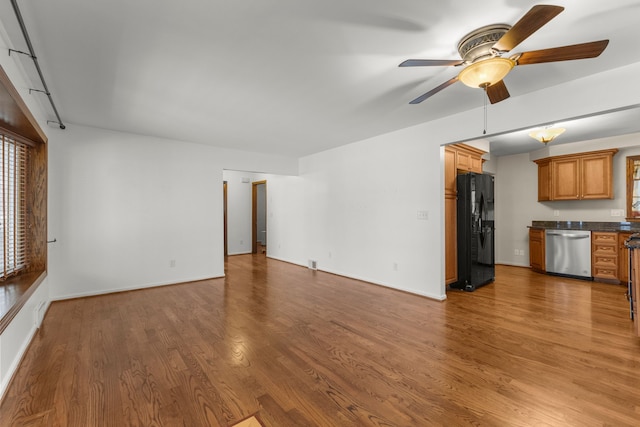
<point>546,135</point>
<point>486,72</point>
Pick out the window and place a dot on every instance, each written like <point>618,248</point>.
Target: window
<point>633,187</point>
<point>14,253</point>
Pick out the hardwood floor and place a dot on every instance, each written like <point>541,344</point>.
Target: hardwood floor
<point>304,348</point>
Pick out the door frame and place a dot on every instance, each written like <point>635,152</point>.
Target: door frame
<point>254,213</point>
<point>224,208</point>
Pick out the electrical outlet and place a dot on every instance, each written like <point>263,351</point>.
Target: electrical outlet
<point>172,263</point>
<point>395,266</point>
<point>556,213</point>
<point>521,252</point>
<point>515,252</point>
<point>617,212</point>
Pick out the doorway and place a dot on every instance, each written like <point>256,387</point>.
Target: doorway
<point>259,217</point>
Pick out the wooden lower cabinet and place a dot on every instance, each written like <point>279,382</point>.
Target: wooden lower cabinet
<point>604,255</point>
<point>623,257</point>
<point>609,254</point>
<point>536,249</point>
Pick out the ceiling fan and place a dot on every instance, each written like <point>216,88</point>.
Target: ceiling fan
<point>481,51</point>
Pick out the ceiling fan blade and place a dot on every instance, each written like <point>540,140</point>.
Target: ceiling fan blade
<point>531,22</point>
<point>497,92</point>
<point>564,53</point>
<point>434,90</point>
<point>430,62</point>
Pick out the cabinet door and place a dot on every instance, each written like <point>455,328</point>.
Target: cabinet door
<point>544,181</point>
<point>565,179</point>
<point>595,177</point>
<point>476,164</point>
<point>450,171</point>
<point>463,160</point>
<point>623,257</point>
<point>450,239</point>
<point>536,249</point>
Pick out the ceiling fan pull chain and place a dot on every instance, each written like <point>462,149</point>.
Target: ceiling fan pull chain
<point>484,132</point>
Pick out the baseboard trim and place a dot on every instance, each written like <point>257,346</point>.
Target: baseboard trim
<point>368,281</point>
<point>513,264</point>
<point>130,288</point>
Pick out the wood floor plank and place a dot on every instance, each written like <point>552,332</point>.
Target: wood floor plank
<point>302,347</point>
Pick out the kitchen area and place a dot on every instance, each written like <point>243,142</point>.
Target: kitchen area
<point>604,251</point>
<point>565,209</point>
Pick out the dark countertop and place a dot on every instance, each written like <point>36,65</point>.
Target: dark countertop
<point>587,225</point>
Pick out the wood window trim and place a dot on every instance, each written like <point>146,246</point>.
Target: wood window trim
<point>18,122</point>
<point>629,185</point>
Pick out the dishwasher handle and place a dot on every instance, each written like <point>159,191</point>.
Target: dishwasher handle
<point>569,235</point>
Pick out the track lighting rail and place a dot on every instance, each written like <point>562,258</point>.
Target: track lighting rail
<point>33,57</point>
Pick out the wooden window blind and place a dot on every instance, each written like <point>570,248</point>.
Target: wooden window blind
<point>13,206</point>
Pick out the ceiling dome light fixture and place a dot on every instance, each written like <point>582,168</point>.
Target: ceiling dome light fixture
<point>546,135</point>
<point>486,72</point>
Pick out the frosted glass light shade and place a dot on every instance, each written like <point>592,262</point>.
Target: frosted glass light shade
<point>546,135</point>
<point>486,72</point>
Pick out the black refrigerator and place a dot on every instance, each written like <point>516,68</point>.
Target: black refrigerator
<point>476,260</point>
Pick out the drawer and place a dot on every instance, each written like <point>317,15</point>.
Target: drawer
<point>605,261</point>
<point>605,250</point>
<point>599,237</point>
<point>605,273</point>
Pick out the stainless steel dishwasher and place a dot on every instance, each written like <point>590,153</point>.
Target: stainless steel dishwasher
<point>568,252</point>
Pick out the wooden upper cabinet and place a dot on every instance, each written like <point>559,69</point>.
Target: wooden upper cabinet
<point>596,178</point>
<point>450,171</point>
<point>577,176</point>
<point>463,160</point>
<point>544,180</point>
<point>468,159</point>
<point>565,179</point>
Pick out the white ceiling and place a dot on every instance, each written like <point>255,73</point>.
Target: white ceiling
<point>293,77</point>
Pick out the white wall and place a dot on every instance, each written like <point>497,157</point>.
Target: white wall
<point>124,207</point>
<point>517,196</point>
<point>130,211</point>
<point>354,210</point>
<point>287,221</point>
<point>16,337</point>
